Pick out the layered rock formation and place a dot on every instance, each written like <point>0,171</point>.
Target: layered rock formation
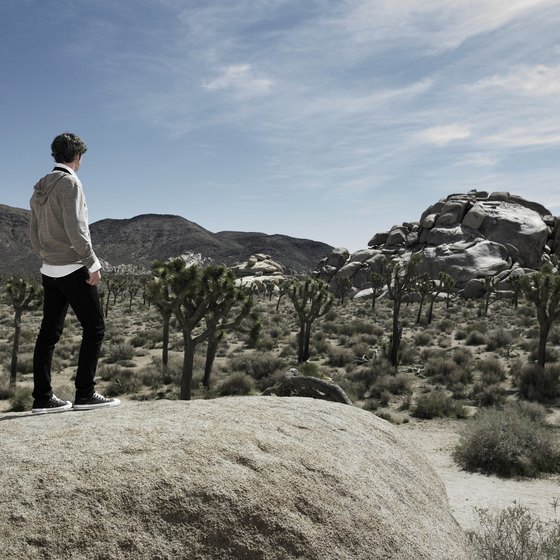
<point>469,236</point>
<point>265,478</point>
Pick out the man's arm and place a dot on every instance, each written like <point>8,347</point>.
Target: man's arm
<point>74,213</point>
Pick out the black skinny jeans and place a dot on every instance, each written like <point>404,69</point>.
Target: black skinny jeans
<point>70,290</point>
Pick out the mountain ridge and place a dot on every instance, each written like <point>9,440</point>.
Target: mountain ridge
<point>146,237</point>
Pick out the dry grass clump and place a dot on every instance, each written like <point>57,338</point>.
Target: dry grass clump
<point>514,533</point>
<point>540,384</point>
<point>437,404</point>
<point>508,442</point>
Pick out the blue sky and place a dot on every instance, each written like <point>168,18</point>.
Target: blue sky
<point>328,120</point>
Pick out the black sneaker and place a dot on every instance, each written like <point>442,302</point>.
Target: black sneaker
<point>95,401</point>
<point>54,404</point>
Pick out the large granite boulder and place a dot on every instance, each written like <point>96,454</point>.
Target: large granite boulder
<point>266,478</point>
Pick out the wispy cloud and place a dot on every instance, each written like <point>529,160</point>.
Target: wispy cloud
<point>538,80</point>
<point>444,134</point>
<point>241,79</point>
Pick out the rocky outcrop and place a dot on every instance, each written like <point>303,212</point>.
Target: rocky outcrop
<point>258,265</point>
<point>468,236</point>
<point>236,478</point>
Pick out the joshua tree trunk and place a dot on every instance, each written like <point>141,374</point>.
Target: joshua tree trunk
<point>213,342</point>
<point>543,338</point>
<point>188,364</point>
<point>15,348</point>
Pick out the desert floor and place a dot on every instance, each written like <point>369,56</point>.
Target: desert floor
<point>130,367</point>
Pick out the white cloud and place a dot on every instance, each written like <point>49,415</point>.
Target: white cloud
<point>535,134</point>
<point>538,80</point>
<point>444,134</point>
<point>241,79</point>
<point>435,24</point>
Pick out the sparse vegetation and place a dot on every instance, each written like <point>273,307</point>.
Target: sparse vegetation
<point>508,442</point>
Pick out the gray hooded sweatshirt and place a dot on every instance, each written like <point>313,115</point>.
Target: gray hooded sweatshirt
<point>59,228</point>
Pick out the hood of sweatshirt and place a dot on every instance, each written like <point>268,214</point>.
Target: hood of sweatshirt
<point>44,186</point>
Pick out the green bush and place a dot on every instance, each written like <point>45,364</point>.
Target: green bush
<point>508,442</point>
<point>339,357</point>
<point>21,399</point>
<point>492,371</point>
<point>514,533</point>
<point>236,384</point>
<point>119,352</point>
<point>475,338</point>
<point>257,365</point>
<point>538,384</point>
<point>437,404</point>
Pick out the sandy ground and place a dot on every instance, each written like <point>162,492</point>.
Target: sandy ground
<point>437,438</point>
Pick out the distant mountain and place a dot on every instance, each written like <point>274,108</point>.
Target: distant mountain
<point>142,239</point>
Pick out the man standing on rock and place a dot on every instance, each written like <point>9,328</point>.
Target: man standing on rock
<point>70,274</point>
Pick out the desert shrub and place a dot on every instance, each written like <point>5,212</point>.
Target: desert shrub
<point>123,385</point>
<point>475,338</point>
<point>319,346</point>
<point>257,365</point>
<point>514,533</point>
<point>484,394</point>
<point>540,384</point>
<point>508,442</point>
<point>429,353</point>
<point>310,369</point>
<point>339,357</point>
<point>140,341</point>
<point>478,326</point>
<point>407,353</point>
<point>499,338</point>
<point>25,363</point>
<point>118,352</point>
<point>356,327</point>
<point>236,384</point>
<point>364,377</point>
<point>446,325</point>
<point>551,354</point>
<point>437,404</point>
<point>462,356</point>
<point>265,343</point>
<point>393,384</point>
<point>460,334</point>
<point>424,338</point>
<point>447,371</point>
<point>5,390</point>
<point>492,371</point>
<point>21,399</point>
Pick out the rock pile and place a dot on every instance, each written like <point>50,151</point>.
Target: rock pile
<point>469,236</point>
<point>258,265</point>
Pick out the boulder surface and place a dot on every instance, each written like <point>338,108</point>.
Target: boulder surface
<point>234,478</point>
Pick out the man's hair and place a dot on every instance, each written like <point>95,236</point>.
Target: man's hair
<point>66,146</point>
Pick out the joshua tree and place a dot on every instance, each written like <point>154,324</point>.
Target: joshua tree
<point>311,298</point>
<point>400,282</point>
<point>424,286</point>
<point>115,285</point>
<point>157,291</point>
<point>543,290</point>
<point>377,285</point>
<point>22,295</point>
<point>202,294</point>
<point>489,286</point>
<point>446,284</point>
<point>229,309</point>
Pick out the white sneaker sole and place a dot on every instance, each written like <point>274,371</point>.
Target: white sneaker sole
<point>54,410</point>
<point>115,402</point>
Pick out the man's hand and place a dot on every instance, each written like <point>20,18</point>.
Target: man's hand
<point>94,278</point>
